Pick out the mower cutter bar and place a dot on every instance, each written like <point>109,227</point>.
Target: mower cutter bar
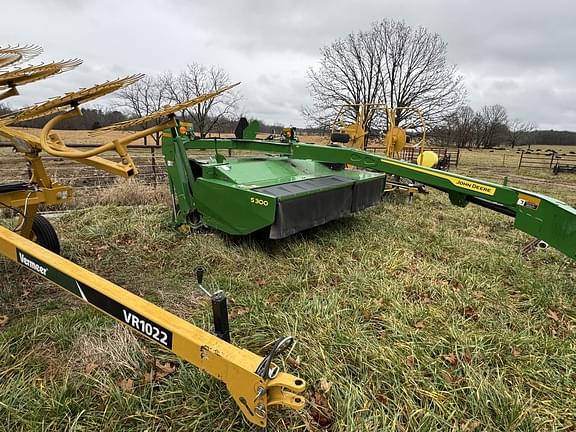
<point>236,367</point>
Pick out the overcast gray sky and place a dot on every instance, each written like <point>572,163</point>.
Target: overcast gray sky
<point>520,54</point>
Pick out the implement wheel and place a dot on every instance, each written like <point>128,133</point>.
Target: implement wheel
<point>44,234</point>
<point>338,137</point>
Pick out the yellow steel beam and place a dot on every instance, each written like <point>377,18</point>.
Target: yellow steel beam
<point>18,134</point>
<point>236,367</point>
<point>53,145</point>
<point>57,194</point>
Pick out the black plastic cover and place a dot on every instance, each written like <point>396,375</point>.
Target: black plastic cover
<point>368,193</point>
<point>319,206</point>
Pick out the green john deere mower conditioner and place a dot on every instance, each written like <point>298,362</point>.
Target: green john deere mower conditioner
<point>296,186</point>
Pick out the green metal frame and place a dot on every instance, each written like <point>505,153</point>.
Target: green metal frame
<point>546,218</point>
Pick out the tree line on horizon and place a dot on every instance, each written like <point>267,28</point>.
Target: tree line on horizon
<point>390,63</point>
<point>464,129</point>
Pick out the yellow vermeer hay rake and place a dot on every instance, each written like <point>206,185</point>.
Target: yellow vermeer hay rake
<point>255,382</point>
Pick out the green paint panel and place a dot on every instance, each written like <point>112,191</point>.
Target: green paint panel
<point>222,193</point>
<point>232,209</point>
<point>277,170</point>
<point>261,172</point>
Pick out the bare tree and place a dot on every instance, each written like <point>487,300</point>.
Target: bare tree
<point>491,125</point>
<point>517,129</point>
<point>457,128</point>
<point>390,63</point>
<point>483,129</point>
<point>143,98</point>
<point>416,72</point>
<point>195,81</point>
<point>349,73</point>
<point>464,126</point>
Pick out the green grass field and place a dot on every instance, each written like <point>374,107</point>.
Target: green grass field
<point>408,317</point>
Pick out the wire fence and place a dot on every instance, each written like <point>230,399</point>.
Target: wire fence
<point>556,162</point>
<point>447,157</point>
<point>148,160</point>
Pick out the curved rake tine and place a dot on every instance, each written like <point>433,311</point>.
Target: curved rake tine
<point>18,77</point>
<point>70,100</point>
<point>16,54</point>
<point>35,73</point>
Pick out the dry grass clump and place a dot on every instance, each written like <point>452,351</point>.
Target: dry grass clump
<point>131,192</point>
<point>112,349</point>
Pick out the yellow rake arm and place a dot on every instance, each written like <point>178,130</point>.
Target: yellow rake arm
<point>18,77</point>
<point>17,54</point>
<point>168,111</point>
<point>54,145</point>
<point>72,99</point>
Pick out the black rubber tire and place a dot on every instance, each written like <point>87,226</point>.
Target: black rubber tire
<point>338,137</point>
<point>45,234</point>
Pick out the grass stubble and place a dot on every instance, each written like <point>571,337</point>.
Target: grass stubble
<point>408,316</point>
